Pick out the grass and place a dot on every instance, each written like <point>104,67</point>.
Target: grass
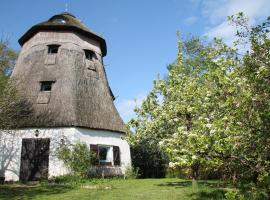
<point>118,189</point>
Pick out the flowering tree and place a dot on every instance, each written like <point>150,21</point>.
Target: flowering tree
<point>212,109</point>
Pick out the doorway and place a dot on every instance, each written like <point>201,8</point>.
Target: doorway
<point>34,159</point>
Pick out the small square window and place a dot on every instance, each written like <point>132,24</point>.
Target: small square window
<point>89,55</point>
<point>53,49</point>
<point>46,86</point>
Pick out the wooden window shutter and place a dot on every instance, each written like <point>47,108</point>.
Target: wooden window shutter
<point>116,155</point>
<point>94,154</point>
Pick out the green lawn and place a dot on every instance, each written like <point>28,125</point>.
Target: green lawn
<point>117,189</point>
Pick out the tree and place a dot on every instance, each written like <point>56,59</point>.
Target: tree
<point>7,61</point>
<point>14,109</point>
<point>186,115</point>
<point>254,110</point>
<point>212,109</point>
<point>148,158</point>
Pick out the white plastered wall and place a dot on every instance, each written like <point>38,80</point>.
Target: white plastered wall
<point>11,141</point>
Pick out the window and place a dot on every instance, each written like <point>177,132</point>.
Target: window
<point>59,20</point>
<point>46,86</point>
<point>105,155</point>
<point>53,49</point>
<point>89,55</point>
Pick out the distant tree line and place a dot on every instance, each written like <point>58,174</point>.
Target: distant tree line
<point>13,106</point>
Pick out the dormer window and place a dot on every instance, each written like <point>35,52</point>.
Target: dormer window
<point>89,55</point>
<point>59,21</point>
<point>46,86</point>
<point>53,49</point>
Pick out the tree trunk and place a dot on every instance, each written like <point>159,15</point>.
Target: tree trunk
<point>2,177</point>
<point>195,171</point>
<point>268,193</point>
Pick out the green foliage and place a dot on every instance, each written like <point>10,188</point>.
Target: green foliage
<point>8,57</point>
<point>76,157</point>
<point>7,61</point>
<point>132,173</point>
<point>212,111</point>
<point>148,158</point>
<point>72,180</point>
<point>14,108</point>
<point>234,195</point>
<point>184,121</point>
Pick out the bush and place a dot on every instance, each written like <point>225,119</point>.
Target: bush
<point>234,195</point>
<point>132,173</point>
<point>76,157</point>
<point>150,161</point>
<point>183,173</point>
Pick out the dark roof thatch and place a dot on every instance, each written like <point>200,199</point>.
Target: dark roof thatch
<point>79,97</point>
<point>71,24</point>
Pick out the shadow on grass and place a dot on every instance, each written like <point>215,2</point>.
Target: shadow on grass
<point>203,189</point>
<point>215,184</point>
<point>23,191</point>
<point>207,195</point>
<point>201,183</point>
<point>178,184</point>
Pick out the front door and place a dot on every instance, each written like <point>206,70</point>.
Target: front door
<point>34,159</point>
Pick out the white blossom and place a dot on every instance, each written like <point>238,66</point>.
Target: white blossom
<point>172,165</point>
<point>176,119</point>
<point>192,135</point>
<point>189,109</point>
<point>181,128</point>
<point>194,157</point>
<point>161,142</point>
<point>212,131</point>
<point>208,125</point>
<point>207,119</point>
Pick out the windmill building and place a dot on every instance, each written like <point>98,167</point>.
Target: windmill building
<point>60,72</point>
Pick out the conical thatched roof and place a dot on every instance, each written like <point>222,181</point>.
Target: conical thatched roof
<point>79,97</point>
<point>71,24</point>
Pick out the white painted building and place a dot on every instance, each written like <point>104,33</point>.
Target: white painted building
<point>61,74</point>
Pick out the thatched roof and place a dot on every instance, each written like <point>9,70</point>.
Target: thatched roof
<point>71,24</point>
<point>79,97</point>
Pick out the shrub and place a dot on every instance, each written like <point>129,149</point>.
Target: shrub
<point>234,195</point>
<point>150,161</point>
<point>76,157</point>
<point>132,173</point>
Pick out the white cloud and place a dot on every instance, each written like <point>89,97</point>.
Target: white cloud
<point>224,30</point>
<point>125,107</point>
<point>216,11</point>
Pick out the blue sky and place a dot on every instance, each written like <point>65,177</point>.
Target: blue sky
<point>140,34</point>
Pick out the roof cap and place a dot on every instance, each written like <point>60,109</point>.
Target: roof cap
<point>70,23</point>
